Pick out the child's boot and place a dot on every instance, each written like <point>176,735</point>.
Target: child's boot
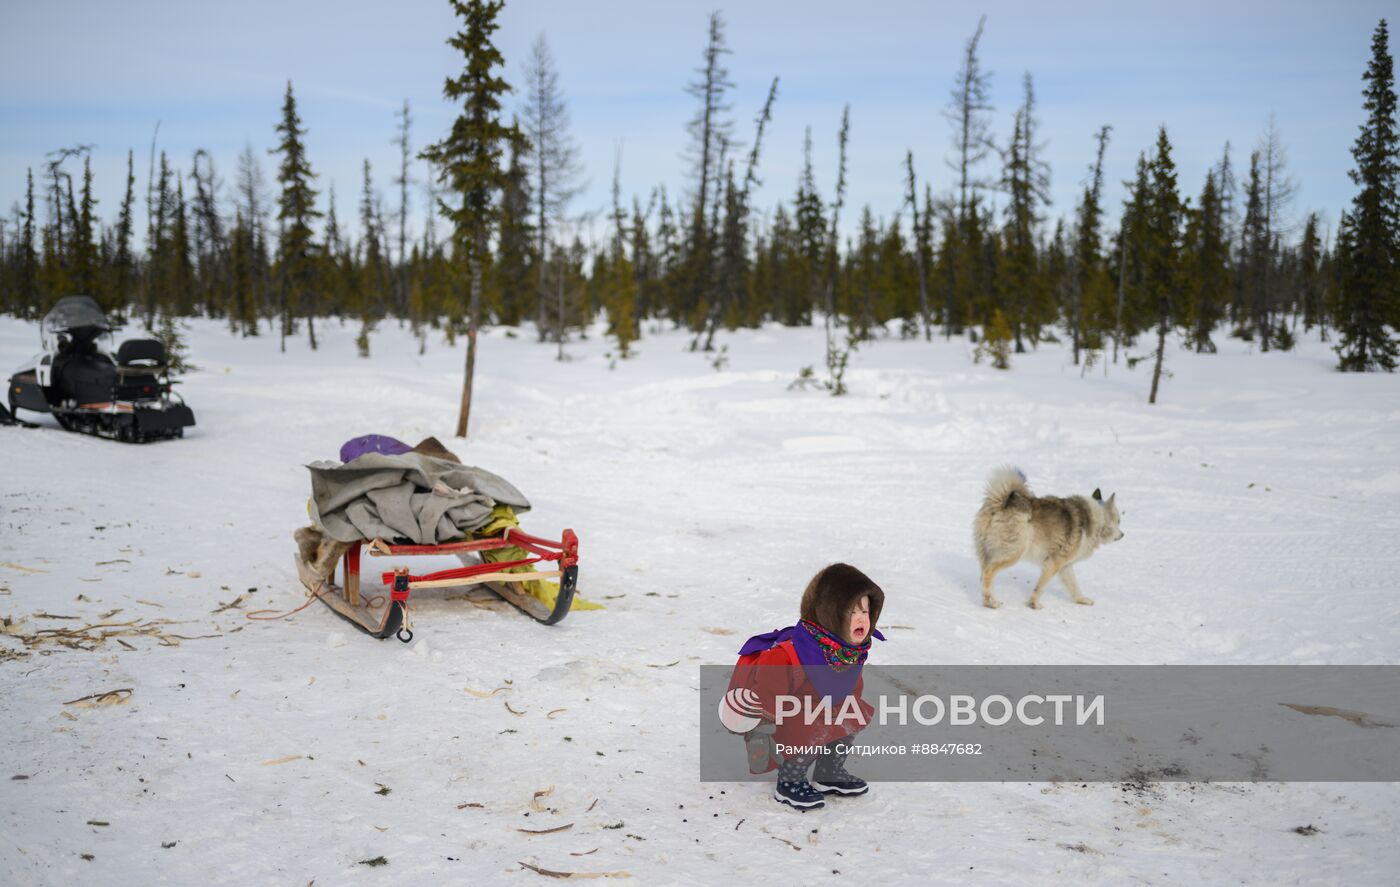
<point>830,776</point>
<point>793,788</point>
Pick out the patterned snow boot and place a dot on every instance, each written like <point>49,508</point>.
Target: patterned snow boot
<point>793,788</point>
<point>831,777</point>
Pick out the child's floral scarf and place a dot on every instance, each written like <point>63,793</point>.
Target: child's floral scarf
<point>832,665</point>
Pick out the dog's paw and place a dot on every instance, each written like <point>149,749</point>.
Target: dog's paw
<point>991,603</point>
<point>1086,601</point>
<point>1033,604</point>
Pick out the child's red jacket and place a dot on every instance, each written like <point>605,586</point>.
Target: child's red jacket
<point>777,672</point>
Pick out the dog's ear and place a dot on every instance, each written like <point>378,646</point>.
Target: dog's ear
<point>1098,496</point>
<point>1111,497</point>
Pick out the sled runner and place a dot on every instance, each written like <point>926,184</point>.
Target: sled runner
<point>383,614</point>
<point>126,395</point>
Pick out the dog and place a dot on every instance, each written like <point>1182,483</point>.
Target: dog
<point>1014,524</point>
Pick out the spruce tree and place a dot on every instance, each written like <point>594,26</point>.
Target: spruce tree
<point>710,135</point>
<point>210,240</point>
<point>243,271</point>
<point>923,239</point>
<point>792,266</point>
<point>944,269</point>
<point>468,159</point>
<point>174,274</point>
<point>1055,269</point>
<point>864,264</point>
<point>986,276</point>
<point>513,278</point>
<point>731,259</point>
<point>338,269</point>
<point>1131,309</point>
<point>970,258</point>
<point>85,257</point>
<point>1368,247</point>
<point>1310,277</point>
<point>1161,248</point>
<point>646,263</point>
<point>1207,274</point>
<point>374,267</point>
<point>1087,270</point>
<point>667,255</point>
<point>896,283</point>
<point>616,276</point>
<point>810,231</point>
<point>123,263</point>
<point>158,246</point>
<point>28,257</point>
<point>968,110</point>
<point>296,211</point>
<point>1025,183</point>
<point>1251,311</point>
<point>1226,185</point>
<point>181,287</point>
<point>732,269</point>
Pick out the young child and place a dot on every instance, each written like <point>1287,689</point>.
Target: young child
<point>821,656</point>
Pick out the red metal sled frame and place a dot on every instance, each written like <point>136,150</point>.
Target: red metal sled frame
<point>401,582</point>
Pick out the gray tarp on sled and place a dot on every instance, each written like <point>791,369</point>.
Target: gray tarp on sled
<point>406,496</point>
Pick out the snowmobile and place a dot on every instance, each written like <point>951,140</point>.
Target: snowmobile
<point>126,396</point>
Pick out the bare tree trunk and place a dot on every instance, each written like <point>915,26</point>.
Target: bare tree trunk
<point>1122,270</point>
<point>401,296</point>
<point>473,318</point>
<point>151,235</point>
<point>913,197</point>
<point>559,295</point>
<point>542,232</point>
<point>1077,288</point>
<point>951,282</point>
<point>1157,365</point>
<point>834,259</point>
<point>285,319</point>
<point>310,322</point>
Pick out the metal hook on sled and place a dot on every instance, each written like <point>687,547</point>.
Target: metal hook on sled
<point>404,634</point>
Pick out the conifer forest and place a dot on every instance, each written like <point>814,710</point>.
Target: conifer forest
<point>973,249</point>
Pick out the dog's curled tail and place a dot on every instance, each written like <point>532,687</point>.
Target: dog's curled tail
<point>1005,483</point>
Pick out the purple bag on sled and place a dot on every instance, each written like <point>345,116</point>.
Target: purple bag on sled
<point>372,443</point>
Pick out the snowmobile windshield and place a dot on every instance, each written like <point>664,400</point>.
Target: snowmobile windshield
<point>73,313</point>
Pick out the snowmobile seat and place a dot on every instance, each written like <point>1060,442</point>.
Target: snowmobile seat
<point>150,353</point>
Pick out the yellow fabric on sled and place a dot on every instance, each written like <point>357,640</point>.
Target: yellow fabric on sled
<point>503,516</point>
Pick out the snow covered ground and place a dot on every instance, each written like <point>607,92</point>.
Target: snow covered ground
<point>1259,511</point>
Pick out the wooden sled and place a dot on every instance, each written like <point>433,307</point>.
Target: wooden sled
<point>381,615</point>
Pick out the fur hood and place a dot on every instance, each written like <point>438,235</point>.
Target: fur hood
<point>834,591</point>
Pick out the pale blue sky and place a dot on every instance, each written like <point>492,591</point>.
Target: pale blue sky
<point>214,74</point>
